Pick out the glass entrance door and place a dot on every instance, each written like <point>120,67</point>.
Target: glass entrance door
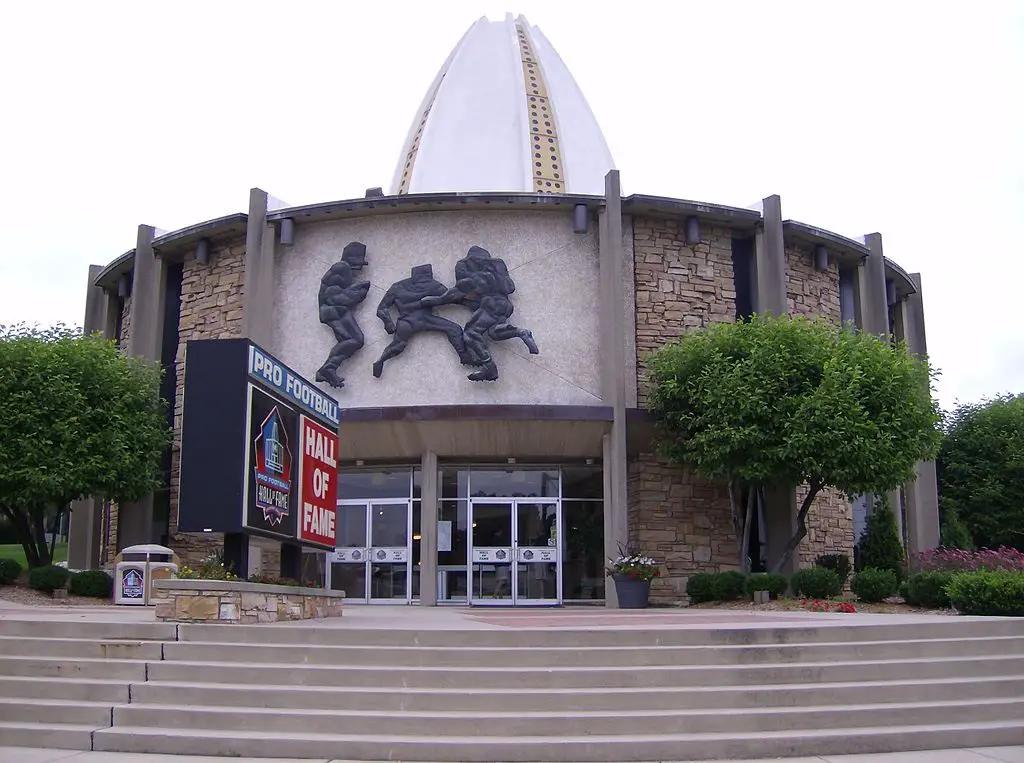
<point>514,552</point>
<point>372,560</point>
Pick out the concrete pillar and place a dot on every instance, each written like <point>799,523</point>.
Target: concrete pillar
<point>770,261</point>
<point>86,519</point>
<point>429,490</point>
<point>146,315</point>
<point>780,512</point>
<point>922,494</point>
<point>873,301</point>
<point>613,371</point>
<point>258,315</point>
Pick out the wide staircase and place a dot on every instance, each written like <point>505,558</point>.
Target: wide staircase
<point>511,694</point>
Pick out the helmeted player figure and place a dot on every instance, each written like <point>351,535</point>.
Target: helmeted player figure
<point>413,317</point>
<point>484,285</point>
<point>339,294</point>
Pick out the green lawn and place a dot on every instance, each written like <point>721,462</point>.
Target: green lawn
<point>16,552</point>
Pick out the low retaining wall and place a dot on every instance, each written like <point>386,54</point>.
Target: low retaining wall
<point>223,601</point>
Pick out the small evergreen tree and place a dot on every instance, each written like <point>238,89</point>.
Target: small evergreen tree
<point>880,546</point>
<point>954,532</point>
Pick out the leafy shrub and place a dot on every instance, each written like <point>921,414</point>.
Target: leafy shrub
<point>9,571</point>
<point>997,593</point>
<point>772,582</point>
<point>961,560</point>
<point>816,583</point>
<point>210,568</point>
<point>698,588</point>
<point>880,546</point>
<point>48,578</point>
<point>904,590</point>
<point>954,532</point>
<point>928,589</point>
<point>95,583</point>
<point>728,586</point>
<point>272,580</point>
<point>874,585</point>
<point>838,563</point>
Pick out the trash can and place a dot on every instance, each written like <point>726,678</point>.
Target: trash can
<point>135,569</point>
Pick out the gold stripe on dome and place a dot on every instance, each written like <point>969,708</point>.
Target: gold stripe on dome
<point>546,155</point>
<point>410,158</point>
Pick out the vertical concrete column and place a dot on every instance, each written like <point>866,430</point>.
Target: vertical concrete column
<point>87,513</point>
<point>429,494</point>
<point>780,509</point>
<point>923,493</point>
<point>135,520</point>
<point>873,300</point>
<point>770,260</point>
<point>258,306</point>
<point>613,371</point>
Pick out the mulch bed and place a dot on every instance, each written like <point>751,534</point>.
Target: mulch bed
<point>891,606</point>
<point>20,593</point>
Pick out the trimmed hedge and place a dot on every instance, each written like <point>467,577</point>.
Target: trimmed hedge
<point>874,585</point>
<point>816,583</point>
<point>95,583</point>
<point>928,589</point>
<point>772,582</point>
<point>10,570</point>
<point>698,588</point>
<point>838,563</point>
<point>47,579</point>
<point>988,593</point>
<point>728,586</point>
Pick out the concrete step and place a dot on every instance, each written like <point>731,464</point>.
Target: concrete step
<point>88,629</point>
<point>69,689</point>
<point>530,657</point>
<point>96,649</point>
<point>597,677</point>
<point>817,630</point>
<point>38,667</point>
<point>55,712</point>
<point>64,736</point>
<point>558,700</point>
<point>531,749</point>
<point>556,725</point>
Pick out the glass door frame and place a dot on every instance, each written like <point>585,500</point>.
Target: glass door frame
<point>514,563</point>
<point>369,552</point>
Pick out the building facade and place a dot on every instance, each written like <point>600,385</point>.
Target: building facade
<point>484,328</point>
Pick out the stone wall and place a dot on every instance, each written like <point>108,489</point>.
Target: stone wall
<point>205,601</point>
<point>678,286</point>
<point>829,526</point>
<point>682,520</point>
<point>810,291</point>
<point>211,308</point>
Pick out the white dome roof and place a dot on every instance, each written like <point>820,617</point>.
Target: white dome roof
<point>503,114</point>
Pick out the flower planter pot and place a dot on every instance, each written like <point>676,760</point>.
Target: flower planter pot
<point>631,593</point>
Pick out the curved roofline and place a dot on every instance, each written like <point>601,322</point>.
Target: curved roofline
<point>179,242</point>
<point>904,283</point>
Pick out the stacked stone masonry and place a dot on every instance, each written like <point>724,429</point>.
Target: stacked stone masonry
<point>679,286</point>
<point>211,308</point>
<point>203,601</point>
<point>810,291</point>
<point>829,526</point>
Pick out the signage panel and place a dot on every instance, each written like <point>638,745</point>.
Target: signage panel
<point>318,487</point>
<point>392,555</point>
<point>349,555</point>
<point>537,554</point>
<point>269,505</point>
<point>492,555</point>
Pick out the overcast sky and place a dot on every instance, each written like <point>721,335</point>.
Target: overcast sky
<point>898,117</point>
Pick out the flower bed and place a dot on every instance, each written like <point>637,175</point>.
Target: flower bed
<point>233,601</point>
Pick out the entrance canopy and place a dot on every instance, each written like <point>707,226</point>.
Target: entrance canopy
<point>474,431</point>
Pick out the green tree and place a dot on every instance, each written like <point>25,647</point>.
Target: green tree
<point>981,470</point>
<point>880,547</point>
<point>77,418</point>
<point>793,401</point>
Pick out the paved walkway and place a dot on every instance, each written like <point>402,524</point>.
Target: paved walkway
<point>978,755</point>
